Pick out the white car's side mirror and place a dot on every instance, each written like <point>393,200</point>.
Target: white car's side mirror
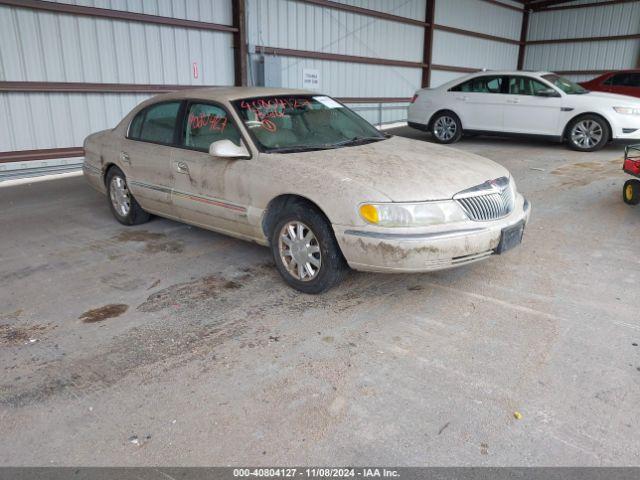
<point>228,149</point>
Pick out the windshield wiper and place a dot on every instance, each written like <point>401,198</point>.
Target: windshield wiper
<point>326,146</point>
<point>298,148</point>
<point>356,141</point>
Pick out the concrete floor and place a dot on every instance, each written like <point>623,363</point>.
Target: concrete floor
<point>216,362</point>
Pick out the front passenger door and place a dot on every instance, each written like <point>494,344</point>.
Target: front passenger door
<point>527,112</point>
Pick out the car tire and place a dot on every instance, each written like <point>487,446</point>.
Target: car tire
<point>587,133</point>
<point>326,266</point>
<point>446,127</point>
<point>631,192</point>
<point>121,202</point>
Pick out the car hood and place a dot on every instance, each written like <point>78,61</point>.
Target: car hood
<point>609,99</point>
<point>404,170</point>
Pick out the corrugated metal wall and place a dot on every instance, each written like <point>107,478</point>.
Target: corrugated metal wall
<point>600,21</point>
<point>55,47</point>
<point>463,51</point>
<point>299,26</point>
<point>41,46</point>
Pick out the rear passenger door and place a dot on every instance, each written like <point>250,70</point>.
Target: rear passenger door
<point>146,155</point>
<point>208,190</point>
<point>479,103</point>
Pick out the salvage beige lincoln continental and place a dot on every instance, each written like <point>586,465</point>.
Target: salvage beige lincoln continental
<point>308,177</point>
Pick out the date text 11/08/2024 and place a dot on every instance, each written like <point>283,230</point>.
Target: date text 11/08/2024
<point>316,472</point>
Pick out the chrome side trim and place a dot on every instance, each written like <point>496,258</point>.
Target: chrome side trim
<point>157,188</point>
<point>191,196</point>
<point>210,201</point>
<point>413,236</point>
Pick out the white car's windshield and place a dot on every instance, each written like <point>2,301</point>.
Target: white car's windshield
<point>294,123</point>
<point>567,86</point>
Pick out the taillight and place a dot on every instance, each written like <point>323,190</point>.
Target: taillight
<point>414,98</point>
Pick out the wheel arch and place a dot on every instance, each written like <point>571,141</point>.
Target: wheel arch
<point>277,204</point>
<point>442,110</point>
<point>107,169</point>
<point>565,130</point>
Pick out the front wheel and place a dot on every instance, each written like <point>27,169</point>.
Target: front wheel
<point>588,133</point>
<point>446,127</point>
<point>305,250</point>
<point>631,192</point>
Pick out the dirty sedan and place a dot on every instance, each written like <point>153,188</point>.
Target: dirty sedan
<point>309,178</point>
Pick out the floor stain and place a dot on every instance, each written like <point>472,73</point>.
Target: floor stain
<point>583,173</point>
<point>187,293</point>
<point>112,310</point>
<point>19,335</point>
<point>154,242</point>
<point>443,428</point>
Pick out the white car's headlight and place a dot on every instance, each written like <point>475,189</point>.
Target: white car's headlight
<point>627,110</point>
<point>412,214</point>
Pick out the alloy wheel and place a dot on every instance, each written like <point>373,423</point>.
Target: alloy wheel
<point>299,251</point>
<point>445,128</point>
<point>119,194</point>
<point>586,134</point>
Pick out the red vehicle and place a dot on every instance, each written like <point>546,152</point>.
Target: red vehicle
<point>631,189</point>
<point>622,82</point>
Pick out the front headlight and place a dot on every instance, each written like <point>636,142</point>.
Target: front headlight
<point>412,214</point>
<point>627,110</point>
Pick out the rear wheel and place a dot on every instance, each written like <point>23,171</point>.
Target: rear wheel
<point>446,127</point>
<point>305,250</point>
<point>123,206</point>
<point>631,192</point>
<point>588,133</point>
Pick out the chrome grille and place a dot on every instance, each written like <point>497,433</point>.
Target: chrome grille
<point>491,200</point>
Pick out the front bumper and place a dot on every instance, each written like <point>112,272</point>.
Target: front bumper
<point>626,127</point>
<point>383,251</point>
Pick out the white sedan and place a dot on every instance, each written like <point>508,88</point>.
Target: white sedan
<point>525,103</point>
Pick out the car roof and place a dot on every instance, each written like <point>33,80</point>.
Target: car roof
<point>221,94</point>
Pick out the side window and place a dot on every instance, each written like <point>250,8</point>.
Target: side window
<point>159,123</point>
<point>619,80</point>
<point>487,84</point>
<point>634,80</point>
<point>207,124</point>
<point>525,86</point>
<point>136,124</point>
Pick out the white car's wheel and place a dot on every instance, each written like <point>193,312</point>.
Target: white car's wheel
<point>588,133</point>
<point>446,127</point>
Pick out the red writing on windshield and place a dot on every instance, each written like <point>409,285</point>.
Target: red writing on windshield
<point>213,121</point>
<point>265,109</point>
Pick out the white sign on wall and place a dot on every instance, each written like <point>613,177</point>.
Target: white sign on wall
<point>311,78</point>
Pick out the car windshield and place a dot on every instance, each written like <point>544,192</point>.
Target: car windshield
<point>294,123</point>
<point>567,86</point>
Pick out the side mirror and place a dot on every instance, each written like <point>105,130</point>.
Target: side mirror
<point>228,149</point>
<point>547,92</point>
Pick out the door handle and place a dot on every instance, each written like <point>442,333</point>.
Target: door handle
<point>125,157</point>
<point>463,98</point>
<point>513,100</point>
<point>182,167</point>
